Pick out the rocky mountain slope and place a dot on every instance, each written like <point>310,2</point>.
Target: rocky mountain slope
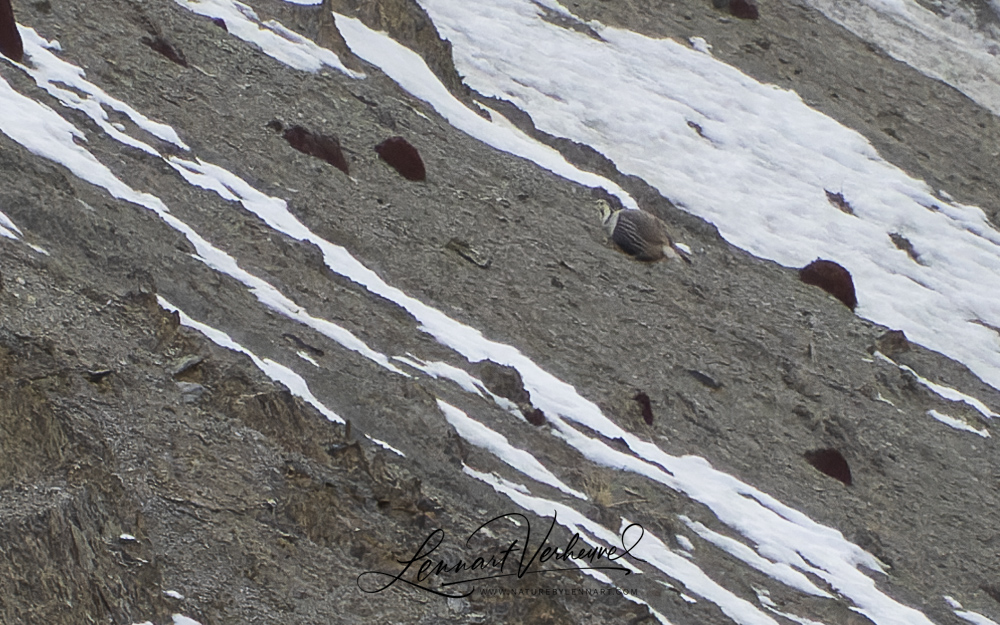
<point>147,471</point>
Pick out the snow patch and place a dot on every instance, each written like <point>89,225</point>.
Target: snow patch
<point>497,444</point>
<point>759,169</point>
<point>946,47</point>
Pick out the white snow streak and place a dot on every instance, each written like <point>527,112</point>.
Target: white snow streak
<point>497,444</point>
<point>443,370</point>
<point>944,391</point>
<point>958,424</point>
<point>274,212</point>
<point>779,571</point>
<point>8,228</point>
<point>468,382</point>
<point>306,357</point>
<point>276,371</point>
<point>975,618</point>
<point>385,445</point>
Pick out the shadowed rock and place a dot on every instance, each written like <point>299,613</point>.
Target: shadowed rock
<point>403,157</point>
<point>326,147</point>
<point>832,278</point>
<point>647,407</point>
<point>892,342</point>
<point>503,381</point>
<point>534,416</point>
<point>839,201</point>
<point>831,462</point>
<point>992,590</point>
<point>744,9</point>
<point>10,40</point>
<point>705,379</point>
<point>902,243</point>
<point>469,253</point>
<point>221,23</point>
<point>302,345</point>
<point>697,128</point>
<point>167,49</point>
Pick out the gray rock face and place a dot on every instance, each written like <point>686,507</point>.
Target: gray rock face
<point>251,505</point>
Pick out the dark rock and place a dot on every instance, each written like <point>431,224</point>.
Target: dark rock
<point>221,23</point>
<point>646,405</point>
<point>403,157</point>
<point>902,243</point>
<point>164,47</point>
<point>832,278</point>
<point>325,147</point>
<point>534,416</point>
<point>428,505</point>
<point>744,9</point>
<point>705,379</point>
<point>837,199</point>
<point>468,252</point>
<point>300,344</point>
<point>186,364</point>
<point>830,462</point>
<point>892,342</point>
<point>503,381</point>
<point>993,590</point>
<point>11,45</point>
